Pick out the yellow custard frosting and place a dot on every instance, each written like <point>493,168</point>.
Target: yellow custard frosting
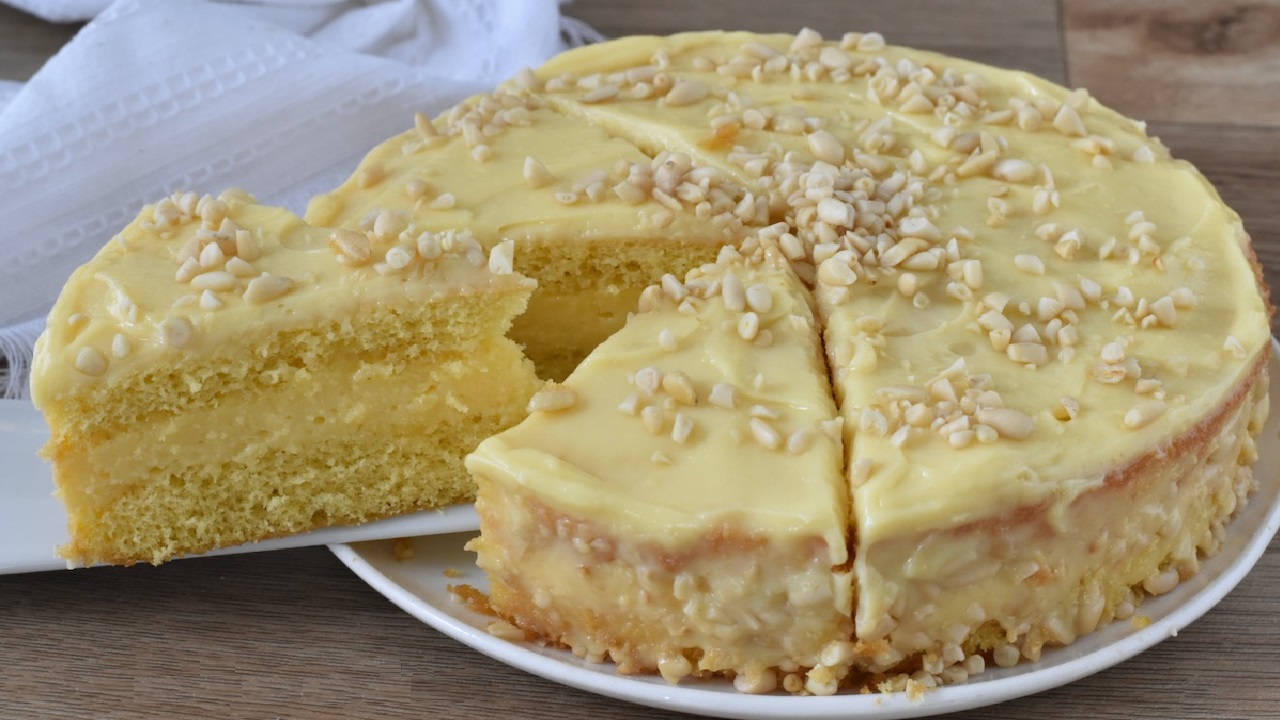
<point>694,458</point>
<point>222,372</point>
<point>1047,337</point>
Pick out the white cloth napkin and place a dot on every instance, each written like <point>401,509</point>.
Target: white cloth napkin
<point>280,97</point>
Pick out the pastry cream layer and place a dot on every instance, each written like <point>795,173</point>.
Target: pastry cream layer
<point>705,425</point>
<point>221,372</point>
<point>334,447</point>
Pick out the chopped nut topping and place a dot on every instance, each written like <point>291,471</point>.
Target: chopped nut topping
<point>502,258</point>
<point>1144,414</point>
<point>1234,347</point>
<point>1013,170</point>
<point>735,295</point>
<point>211,256</point>
<point>601,94</point>
<point>1165,311</point>
<point>1010,423</point>
<point>686,92</point>
<point>1029,264</point>
<point>536,174</point>
<point>240,268</point>
<point>1183,298</point>
<point>351,247</point>
<point>424,126</point>
<point>681,428</point>
<point>654,419</point>
<point>176,331</point>
<point>188,270</point>
<point>759,298</point>
<point>209,301</point>
<point>443,202</point>
<point>247,247</point>
<point>826,148</point>
<point>724,395</point>
<point>748,326</point>
<point>1068,121</point>
<point>370,175</point>
<point>1028,353</point>
<point>648,380</point>
<point>90,361</point>
<point>218,280</point>
<point>764,434</point>
<point>680,387</point>
<point>799,441</point>
<point>552,398</point>
<point>667,340</point>
<point>266,288</point>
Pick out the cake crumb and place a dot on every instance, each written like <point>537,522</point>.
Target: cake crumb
<point>402,549</point>
<point>506,631</point>
<point>471,598</point>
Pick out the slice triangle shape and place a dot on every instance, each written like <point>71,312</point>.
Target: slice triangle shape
<point>678,503</point>
<point>222,372</point>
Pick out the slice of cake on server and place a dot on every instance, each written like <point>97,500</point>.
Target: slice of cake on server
<point>222,372</point>
<point>678,505</point>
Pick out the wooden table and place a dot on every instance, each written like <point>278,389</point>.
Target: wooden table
<point>293,634</point>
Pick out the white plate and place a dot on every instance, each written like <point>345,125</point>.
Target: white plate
<point>420,587</point>
<point>33,523</point>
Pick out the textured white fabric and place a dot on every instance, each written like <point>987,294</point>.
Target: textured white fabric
<point>279,97</point>
<point>8,91</point>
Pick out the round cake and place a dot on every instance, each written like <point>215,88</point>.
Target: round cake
<point>1046,339</point>
<point>929,364</point>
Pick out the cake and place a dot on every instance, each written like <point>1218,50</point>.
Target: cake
<point>682,489</point>
<point>987,369</point>
<point>1047,340</point>
<point>221,372</point>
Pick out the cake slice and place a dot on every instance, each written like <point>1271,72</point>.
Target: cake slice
<point>677,504</point>
<point>222,372</point>
<point>1051,370</point>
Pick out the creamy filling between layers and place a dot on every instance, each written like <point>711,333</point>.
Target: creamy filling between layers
<point>349,443</point>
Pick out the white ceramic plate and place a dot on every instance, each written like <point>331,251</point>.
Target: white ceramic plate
<point>421,587</point>
<point>33,523</point>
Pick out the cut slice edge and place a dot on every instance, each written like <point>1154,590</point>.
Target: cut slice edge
<point>678,504</point>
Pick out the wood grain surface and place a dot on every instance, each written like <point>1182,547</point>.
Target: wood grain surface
<point>293,634</point>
